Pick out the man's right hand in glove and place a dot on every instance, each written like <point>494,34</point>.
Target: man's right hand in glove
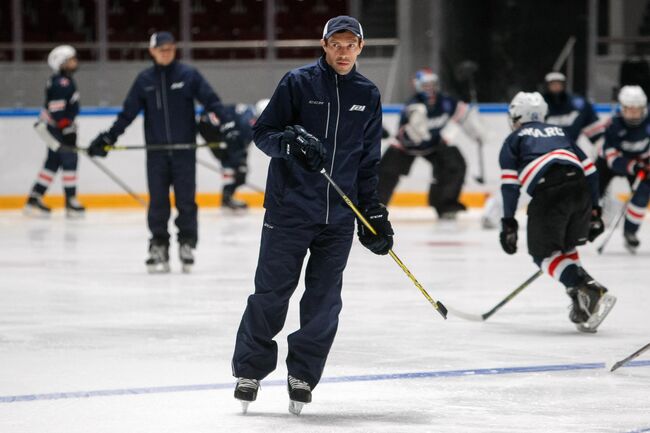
<point>300,145</point>
<point>377,216</point>
<point>508,235</point>
<point>98,147</point>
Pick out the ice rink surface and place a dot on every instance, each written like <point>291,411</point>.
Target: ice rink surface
<point>89,342</point>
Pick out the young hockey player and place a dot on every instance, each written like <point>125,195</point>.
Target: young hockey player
<point>563,212</point>
<point>233,156</point>
<point>626,152</point>
<point>166,92</point>
<point>422,122</point>
<point>323,115</point>
<point>56,126</point>
<point>574,113</point>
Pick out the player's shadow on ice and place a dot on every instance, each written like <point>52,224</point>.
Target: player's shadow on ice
<point>350,418</point>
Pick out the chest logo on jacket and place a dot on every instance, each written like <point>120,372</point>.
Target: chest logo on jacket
<point>178,85</point>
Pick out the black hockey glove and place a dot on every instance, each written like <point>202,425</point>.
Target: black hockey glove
<point>596,224</point>
<point>377,216</point>
<point>508,235</point>
<point>99,146</point>
<point>300,145</point>
<point>230,134</point>
<point>641,168</point>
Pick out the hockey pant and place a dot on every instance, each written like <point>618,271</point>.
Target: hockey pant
<point>448,176</point>
<point>175,170</point>
<point>56,159</point>
<point>558,222</point>
<point>284,245</point>
<point>235,169</point>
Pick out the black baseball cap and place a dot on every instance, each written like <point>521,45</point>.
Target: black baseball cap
<point>342,23</point>
<point>160,38</point>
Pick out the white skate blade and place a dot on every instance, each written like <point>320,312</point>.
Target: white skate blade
<point>244,406</point>
<point>74,214</point>
<point>295,407</point>
<point>32,211</point>
<point>187,268</point>
<point>605,305</point>
<point>158,268</point>
<point>630,248</point>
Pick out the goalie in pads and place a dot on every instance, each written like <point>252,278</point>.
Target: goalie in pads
<point>563,212</point>
<point>429,125</point>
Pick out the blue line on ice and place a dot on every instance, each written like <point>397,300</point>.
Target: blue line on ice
<point>339,379</point>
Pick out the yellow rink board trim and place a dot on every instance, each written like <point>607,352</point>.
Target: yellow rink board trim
<point>254,199</point>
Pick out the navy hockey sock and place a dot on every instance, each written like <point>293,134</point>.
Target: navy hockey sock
<point>561,266</point>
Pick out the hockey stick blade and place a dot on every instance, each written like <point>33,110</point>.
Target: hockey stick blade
<point>467,316</point>
<point>622,362</point>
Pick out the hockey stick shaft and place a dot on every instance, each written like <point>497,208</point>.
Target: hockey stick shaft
<point>147,147</point>
<point>631,357</point>
<point>485,316</point>
<point>637,181</point>
<point>436,304</point>
<point>220,171</point>
<point>117,180</point>
<point>512,294</point>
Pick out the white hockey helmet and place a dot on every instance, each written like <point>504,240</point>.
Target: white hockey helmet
<point>425,79</point>
<point>260,106</point>
<point>633,97</point>
<point>555,76</point>
<point>59,55</point>
<point>526,107</point>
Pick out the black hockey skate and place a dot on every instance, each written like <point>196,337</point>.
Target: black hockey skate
<point>299,394</point>
<point>246,391</point>
<point>36,207</point>
<point>158,260</point>
<point>74,209</point>
<point>186,257</point>
<point>232,204</point>
<point>591,303</point>
<point>631,242</point>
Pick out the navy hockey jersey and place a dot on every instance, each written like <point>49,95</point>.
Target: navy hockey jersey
<point>529,151</point>
<point>575,114</point>
<point>626,144</point>
<point>61,105</point>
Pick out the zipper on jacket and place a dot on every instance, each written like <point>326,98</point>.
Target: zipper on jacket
<point>336,130</point>
<point>327,123</point>
<point>158,103</point>
<point>164,96</point>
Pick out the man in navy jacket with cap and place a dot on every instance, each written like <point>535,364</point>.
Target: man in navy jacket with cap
<point>322,116</point>
<point>166,92</point>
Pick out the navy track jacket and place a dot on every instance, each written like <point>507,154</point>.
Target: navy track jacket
<point>344,112</point>
<point>167,94</point>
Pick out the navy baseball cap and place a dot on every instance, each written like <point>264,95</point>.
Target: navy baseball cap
<point>160,38</point>
<point>342,23</point>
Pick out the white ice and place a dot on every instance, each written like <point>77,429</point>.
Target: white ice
<point>78,313</point>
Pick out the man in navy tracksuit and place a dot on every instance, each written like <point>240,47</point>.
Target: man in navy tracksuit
<point>563,212</point>
<point>56,126</point>
<point>324,115</point>
<point>166,92</point>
